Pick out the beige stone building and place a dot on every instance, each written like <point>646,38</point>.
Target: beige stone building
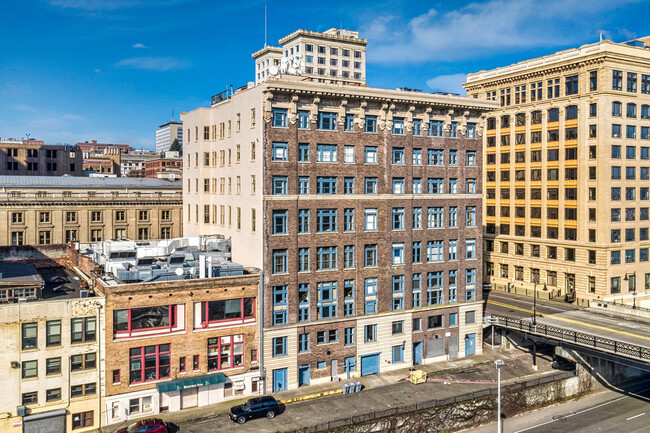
<point>333,56</point>
<point>51,361</point>
<point>38,210</point>
<point>566,171</point>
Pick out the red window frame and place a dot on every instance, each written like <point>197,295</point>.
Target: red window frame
<point>196,363</point>
<point>172,312</point>
<point>205,312</point>
<point>142,357</point>
<point>182,366</point>
<point>231,361</point>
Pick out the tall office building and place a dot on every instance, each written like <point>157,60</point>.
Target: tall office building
<point>333,56</point>
<point>567,164</point>
<point>167,133</point>
<point>362,208</point>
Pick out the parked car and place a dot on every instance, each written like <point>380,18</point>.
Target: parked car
<point>253,408</point>
<point>151,425</point>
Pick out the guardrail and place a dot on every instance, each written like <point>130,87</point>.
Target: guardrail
<point>626,350</point>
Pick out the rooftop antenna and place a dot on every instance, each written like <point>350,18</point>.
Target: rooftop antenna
<point>601,36</point>
<point>172,114</point>
<point>265,25</point>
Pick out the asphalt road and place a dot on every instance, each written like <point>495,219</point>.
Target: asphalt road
<point>569,317</point>
<point>606,411</point>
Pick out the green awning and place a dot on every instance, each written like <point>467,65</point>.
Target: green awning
<point>191,382</point>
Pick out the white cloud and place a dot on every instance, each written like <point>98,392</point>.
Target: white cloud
<point>482,29</point>
<point>97,5</point>
<point>154,63</point>
<point>139,45</point>
<point>448,83</point>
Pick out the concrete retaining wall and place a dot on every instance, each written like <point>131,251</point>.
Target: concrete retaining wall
<point>463,411</point>
<point>619,309</point>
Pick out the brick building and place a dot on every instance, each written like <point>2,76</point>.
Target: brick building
<point>165,165</point>
<point>363,208</point>
<point>34,158</point>
<point>181,327</point>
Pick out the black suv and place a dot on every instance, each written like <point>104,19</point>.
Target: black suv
<point>254,408</point>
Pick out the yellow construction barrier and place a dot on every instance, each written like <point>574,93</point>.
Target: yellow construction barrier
<point>418,376</point>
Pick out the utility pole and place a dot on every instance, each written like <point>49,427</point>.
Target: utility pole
<point>499,363</point>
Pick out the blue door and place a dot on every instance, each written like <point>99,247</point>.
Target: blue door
<point>279,379</point>
<point>370,364</point>
<point>303,375</point>
<point>417,352</point>
<point>470,344</point>
<point>349,365</point>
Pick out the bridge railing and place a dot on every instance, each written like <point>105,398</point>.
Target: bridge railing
<point>590,341</point>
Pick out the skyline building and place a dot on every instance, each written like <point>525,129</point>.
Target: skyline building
<point>567,161</point>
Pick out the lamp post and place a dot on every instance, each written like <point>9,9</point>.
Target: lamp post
<point>498,363</point>
<point>534,301</point>
<point>633,289</point>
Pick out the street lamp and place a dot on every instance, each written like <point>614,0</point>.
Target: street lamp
<point>633,289</point>
<point>534,300</point>
<point>498,363</point>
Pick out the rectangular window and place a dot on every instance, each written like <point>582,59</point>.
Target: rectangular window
<point>436,128</point>
<point>370,155</point>
<point>280,261</point>
<point>29,335</point>
<point>29,369</point>
<point>370,216</point>
<point>398,125</point>
<point>53,333</point>
<point>279,185</point>
<point>370,333</point>
<point>303,119</point>
<point>303,152</point>
<point>371,124</point>
<point>279,346</point>
<point>83,329</point>
<point>327,121</point>
<point>279,117</point>
<point>326,153</point>
<point>434,322</point>
<point>82,419</point>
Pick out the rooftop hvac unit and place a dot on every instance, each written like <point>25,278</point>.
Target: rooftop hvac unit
<point>83,293</point>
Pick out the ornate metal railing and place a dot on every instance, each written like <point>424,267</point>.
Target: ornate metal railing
<point>602,344</point>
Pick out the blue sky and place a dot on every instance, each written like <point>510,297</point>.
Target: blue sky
<point>113,70</point>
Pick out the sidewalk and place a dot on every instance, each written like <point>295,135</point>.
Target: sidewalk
<point>380,391</point>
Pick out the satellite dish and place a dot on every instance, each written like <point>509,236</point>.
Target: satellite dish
<point>284,61</point>
<point>192,271</point>
<point>296,63</point>
<point>291,70</point>
<point>273,70</point>
<point>179,271</point>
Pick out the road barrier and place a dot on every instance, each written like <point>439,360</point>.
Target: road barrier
<point>626,350</point>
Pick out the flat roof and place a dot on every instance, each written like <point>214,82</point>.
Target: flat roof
<point>19,273</point>
<point>60,283</point>
<point>87,182</point>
